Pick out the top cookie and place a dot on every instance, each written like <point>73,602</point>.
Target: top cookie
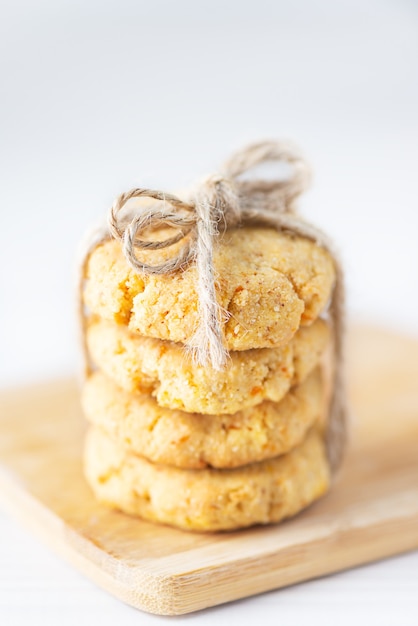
<point>268,283</point>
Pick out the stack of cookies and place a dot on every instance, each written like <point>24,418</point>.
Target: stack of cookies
<point>188,445</point>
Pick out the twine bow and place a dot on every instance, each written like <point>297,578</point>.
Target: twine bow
<point>220,199</point>
<point>226,199</point>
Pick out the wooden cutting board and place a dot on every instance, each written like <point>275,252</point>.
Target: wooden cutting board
<point>371,513</point>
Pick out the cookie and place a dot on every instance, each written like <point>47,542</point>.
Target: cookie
<point>208,499</point>
<point>161,368</point>
<point>268,284</point>
<point>193,441</point>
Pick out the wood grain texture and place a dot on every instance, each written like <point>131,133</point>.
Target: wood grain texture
<point>371,513</point>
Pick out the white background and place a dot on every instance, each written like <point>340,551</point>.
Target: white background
<point>98,97</point>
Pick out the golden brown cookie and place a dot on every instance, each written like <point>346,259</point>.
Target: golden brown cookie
<point>268,283</point>
<point>194,441</point>
<point>209,499</point>
<point>161,368</point>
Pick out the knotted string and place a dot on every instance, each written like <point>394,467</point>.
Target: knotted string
<point>220,199</point>
<point>223,201</point>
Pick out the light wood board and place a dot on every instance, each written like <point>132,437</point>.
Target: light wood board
<point>371,513</point>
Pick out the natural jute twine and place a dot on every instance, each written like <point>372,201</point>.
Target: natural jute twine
<point>220,202</point>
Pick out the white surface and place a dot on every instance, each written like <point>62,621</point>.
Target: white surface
<point>100,96</point>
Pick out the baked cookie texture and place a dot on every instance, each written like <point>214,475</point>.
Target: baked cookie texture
<point>163,369</point>
<point>269,283</point>
<point>210,499</point>
<point>193,441</point>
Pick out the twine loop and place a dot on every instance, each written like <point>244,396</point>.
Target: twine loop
<point>221,201</point>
